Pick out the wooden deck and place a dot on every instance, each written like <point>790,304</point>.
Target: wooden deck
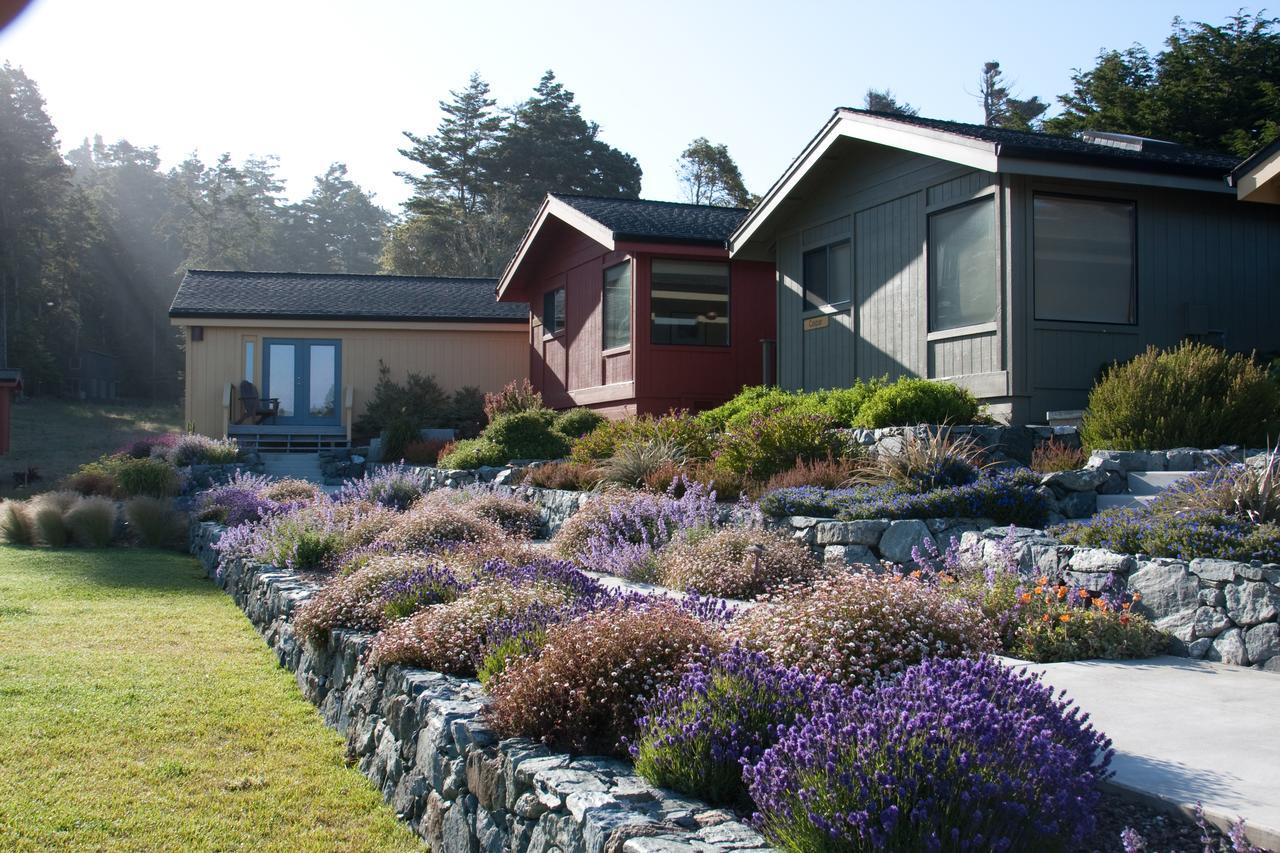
<point>288,438</point>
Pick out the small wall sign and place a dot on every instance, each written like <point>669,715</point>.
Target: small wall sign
<point>816,323</point>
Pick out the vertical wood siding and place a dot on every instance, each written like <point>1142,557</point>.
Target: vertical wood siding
<point>891,288</point>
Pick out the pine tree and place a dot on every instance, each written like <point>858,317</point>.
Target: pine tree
<point>1000,108</point>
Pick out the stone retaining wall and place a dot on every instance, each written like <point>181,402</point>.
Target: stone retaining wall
<point>1218,610</point>
<point>421,738</point>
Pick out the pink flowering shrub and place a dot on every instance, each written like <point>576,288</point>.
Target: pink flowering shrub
<point>855,628</point>
<point>450,637</point>
<point>430,526</point>
<point>584,690</point>
<point>516,517</point>
<point>734,562</point>
<point>290,490</point>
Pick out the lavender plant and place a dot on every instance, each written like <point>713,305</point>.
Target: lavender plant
<point>954,755</point>
<point>394,486</point>
<point>697,735</point>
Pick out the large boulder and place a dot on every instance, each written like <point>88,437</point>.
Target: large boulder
<point>1165,587</point>
<point>1262,642</point>
<point>1251,602</point>
<point>901,537</point>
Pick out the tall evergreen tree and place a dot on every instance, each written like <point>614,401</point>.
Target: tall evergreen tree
<point>883,101</point>
<point>710,176</point>
<point>1001,108</point>
<point>337,228</point>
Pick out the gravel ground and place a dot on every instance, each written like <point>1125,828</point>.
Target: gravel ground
<point>1164,832</point>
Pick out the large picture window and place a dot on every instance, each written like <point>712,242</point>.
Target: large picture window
<point>962,266</point>
<point>553,311</point>
<point>689,303</point>
<point>827,276</point>
<point>617,306</point>
<point>1085,267</point>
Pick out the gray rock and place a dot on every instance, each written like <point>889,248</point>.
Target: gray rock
<point>1214,570</point>
<point>849,532</point>
<point>1209,622</point>
<point>1262,642</point>
<point>1269,665</point>
<point>1199,648</point>
<point>1212,597</point>
<point>1229,647</point>
<point>1251,602</point>
<point>1101,560</point>
<point>1078,504</point>
<point>1165,587</point>
<point>1083,480</point>
<point>849,555</point>
<point>456,832</point>
<point>901,537</point>
<point>1181,626</point>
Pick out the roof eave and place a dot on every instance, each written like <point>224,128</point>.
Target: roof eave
<point>329,318</point>
<point>565,212</point>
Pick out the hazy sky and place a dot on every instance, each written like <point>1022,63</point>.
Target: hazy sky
<point>317,81</point>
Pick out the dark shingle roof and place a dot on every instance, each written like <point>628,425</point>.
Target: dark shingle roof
<point>339,296</point>
<point>1172,158</point>
<point>643,220</point>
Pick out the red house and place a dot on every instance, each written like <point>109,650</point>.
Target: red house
<point>635,307</point>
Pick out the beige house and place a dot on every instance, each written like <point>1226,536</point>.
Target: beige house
<point>309,345</point>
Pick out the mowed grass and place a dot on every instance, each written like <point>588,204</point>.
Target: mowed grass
<point>139,710</point>
<point>58,436</point>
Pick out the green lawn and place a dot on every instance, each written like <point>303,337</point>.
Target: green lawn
<point>140,710</point>
<point>58,436</point>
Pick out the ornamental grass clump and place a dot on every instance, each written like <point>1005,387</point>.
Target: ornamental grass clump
<point>573,476</point>
<point>734,562</point>
<point>954,755</point>
<point>1192,395</point>
<point>367,598</point>
<point>92,521</point>
<point>450,637</point>
<point>679,428</point>
<point>924,462</point>
<point>153,477</point>
<point>696,736</point>
<point>48,515</point>
<point>584,690</point>
<point>154,522</point>
<point>855,628</point>
<point>392,486</point>
<point>17,524</point>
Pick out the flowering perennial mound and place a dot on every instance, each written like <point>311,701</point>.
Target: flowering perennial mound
<point>954,755</point>
<point>290,490</point>
<point>195,449</point>
<point>243,498</point>
<point>432,526</point>
<point>394,486</point>
<point>360,599</point>
<point>734,562</point>
<point>696,736</point>
<point>856,628</point>
<point>516,517</point>
<point>583,691</point>
<point>619,533</point>
<point>449,637</point>
<point>1008,498</point>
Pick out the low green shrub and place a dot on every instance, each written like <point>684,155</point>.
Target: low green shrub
<point>434,525</point>
<point>195,449</point>
<point>17,526</point>
<point>290,489</point>
<point>155,522</point>
<point>908,402</point>
<point>92,521</point>
<point>472,453</point>
<point>841,405</point>
<point>575,423</point>
<point>93,478</point>
<point>773,442</point>
<point>1193,395</point>
<point>527,435</point>
<point>679,428</point>
<point>152,477</point>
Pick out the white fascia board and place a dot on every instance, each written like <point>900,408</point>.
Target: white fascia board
<point>1259,177</point>
<point>974,153</point>
<point>552,206</point>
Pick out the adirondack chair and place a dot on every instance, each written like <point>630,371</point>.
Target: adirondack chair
<point>253,406</point>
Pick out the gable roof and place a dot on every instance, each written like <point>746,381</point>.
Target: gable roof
<point>1101,157</point>
<point>610,221</point>
<point>341,296</point>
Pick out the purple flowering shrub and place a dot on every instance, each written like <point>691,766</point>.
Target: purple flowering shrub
<point>376,591</point>
<point>618,534</point>
<point>855,628</point>
<point>393,486</point>
<point>583,691</point>
<point>954,755</point>
<point>734,562</point>
<point>145,445</point>
<point>1006,497</point>
<point>196,449</point>
<point>695,736</point>
<point>449,637</point>
<point>306,537</point>
<point>1183,535</point>
<point>241,499</point>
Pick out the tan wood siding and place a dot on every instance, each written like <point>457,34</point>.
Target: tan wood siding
<point>456,358</point>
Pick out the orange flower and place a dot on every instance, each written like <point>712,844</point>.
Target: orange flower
<point>1026,598</point>
<point>1044,618</point>
<point>1126,605</point>
<point>1062,592</point>
<point>1044,579</point>
<point>1039,590</point>
<point>1084,593</point>
<point>1137,596</point>
<point>1065,617</point>
<point>916,573</point>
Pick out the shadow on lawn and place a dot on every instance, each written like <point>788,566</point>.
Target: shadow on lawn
<point>139,569</point>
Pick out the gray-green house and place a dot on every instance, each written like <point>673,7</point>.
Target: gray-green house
<point>1015,264</point>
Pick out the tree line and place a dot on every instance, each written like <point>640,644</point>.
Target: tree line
<point>93,242</point>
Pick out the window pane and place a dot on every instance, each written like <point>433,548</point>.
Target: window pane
<point>962,266</point>
<point>689,303</point>
<point>324,380</point>
<point>815,278</point>
<point>1084,260</point>
<point>839,273</point>
<point>553,310</point>
<point>617,306</point>
<point>280,376</point>
<point>248,360</point>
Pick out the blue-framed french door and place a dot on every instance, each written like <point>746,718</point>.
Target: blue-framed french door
<point>305,375</point>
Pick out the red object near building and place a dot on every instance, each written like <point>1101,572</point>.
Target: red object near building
<point>10,385</point>
<point>635,307</point>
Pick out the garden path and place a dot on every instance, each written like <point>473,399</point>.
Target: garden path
<point>1187,731</point>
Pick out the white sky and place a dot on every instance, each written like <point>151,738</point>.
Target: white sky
<point>320,81</point>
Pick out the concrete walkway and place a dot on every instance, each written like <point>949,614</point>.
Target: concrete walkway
<point>1185,732</point>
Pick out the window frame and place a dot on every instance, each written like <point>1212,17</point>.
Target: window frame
<point>810,307</point>
<point>549,331</point>
<point>604,307</point>
<point>728,293</point>
<point>1133,236</point>
<point>933,333</point>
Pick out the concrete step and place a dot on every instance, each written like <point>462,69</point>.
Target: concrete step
<point>1122,501</point>
<point>300,466</point>
<point>1154,482</point>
